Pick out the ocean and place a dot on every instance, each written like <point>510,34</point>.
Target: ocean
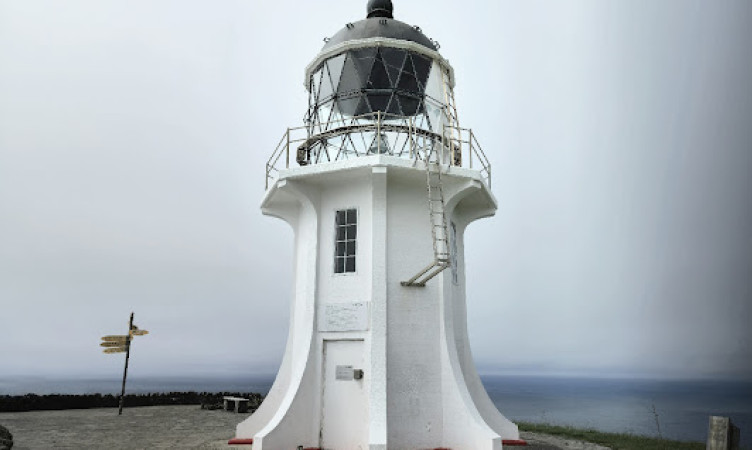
<point>625,405</point>
<point>614,405</point>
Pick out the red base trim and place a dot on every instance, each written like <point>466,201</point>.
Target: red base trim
<point>514,442</point>
<point>238,441</point>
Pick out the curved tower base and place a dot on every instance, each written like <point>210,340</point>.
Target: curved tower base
<point>369,363</point>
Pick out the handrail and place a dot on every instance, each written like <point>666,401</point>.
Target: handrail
<point>456,142</point>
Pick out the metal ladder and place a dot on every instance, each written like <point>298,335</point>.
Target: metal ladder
<point>437,216</point>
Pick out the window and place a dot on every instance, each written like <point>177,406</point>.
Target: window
<point>346,233</point>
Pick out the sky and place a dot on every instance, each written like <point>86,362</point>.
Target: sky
<point>133,139</point>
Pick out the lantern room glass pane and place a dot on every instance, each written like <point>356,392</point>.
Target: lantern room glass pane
<point>363,59</point>
<point>326,85</point>
<point>435,84</point>
<point>348,106</point>
<point>393,57</point>
<point>394,106</point>
<point>409,105</point>
<point>422,68</point>
<point>408,67</point>
<point>349,81</point>
<point>407,82</point>
<point>316,85</point>
<point>335,68</point>
<point>379,79</point>
<point>379,102</point>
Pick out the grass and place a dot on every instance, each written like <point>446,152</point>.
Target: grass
<point>616,441</point>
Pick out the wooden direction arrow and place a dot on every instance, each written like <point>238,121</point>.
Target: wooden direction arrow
<point>139,332</point>
<point>113,344</point>
<point>115,350</point>
<point>121,338</point>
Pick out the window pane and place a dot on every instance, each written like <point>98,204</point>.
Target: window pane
<point>315,82</point>
<point>408,67</point>
<point>363,106</point>
<point>434,85</point>
<point>409,105</point>
<point>379,78</point>
<point>349,106</point>
<point>350,80</point>
<point>379,102</point>
<point>393,57</point>
<point>350,265</point>
<point>345,244</point>
<point>335,68</point>
<point>339,265</point>
<point>394,106</point>
<point>393,75</point>
<point>422,68</point>
<point>326,86</point>
<point>363,59</point>
<point>408,83</point>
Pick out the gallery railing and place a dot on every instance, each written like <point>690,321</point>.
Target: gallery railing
<point>377,133</point>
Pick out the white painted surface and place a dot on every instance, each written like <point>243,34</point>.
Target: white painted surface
<point>420,388</point>
<point>344,415</point>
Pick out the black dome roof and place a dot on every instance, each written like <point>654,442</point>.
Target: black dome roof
<point>380,8</point>
<point>380,24</point>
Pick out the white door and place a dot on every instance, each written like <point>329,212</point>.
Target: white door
<point>344,408</point>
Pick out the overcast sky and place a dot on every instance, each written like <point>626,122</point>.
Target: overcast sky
<point>133,138</point>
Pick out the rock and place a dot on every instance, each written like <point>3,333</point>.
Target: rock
<point>212,406</point>
<point>6,439</point>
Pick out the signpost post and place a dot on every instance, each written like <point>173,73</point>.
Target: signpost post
<point>122,344</point>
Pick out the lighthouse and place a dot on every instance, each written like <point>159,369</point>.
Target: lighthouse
<point>379,186</point>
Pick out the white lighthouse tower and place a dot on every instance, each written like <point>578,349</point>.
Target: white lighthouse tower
<point>379,187</point>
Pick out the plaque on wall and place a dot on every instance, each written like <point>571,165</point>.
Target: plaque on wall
<point>345,373</point>
<point>344,317</point>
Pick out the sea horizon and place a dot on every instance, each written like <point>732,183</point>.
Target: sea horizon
<point>672,408</point>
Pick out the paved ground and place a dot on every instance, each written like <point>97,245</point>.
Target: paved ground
<point>152,427</point>
<point>160,427</point>
<point>539,441</point>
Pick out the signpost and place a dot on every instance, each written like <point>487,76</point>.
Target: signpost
<point>115,350</point>
<point>122,344</point>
